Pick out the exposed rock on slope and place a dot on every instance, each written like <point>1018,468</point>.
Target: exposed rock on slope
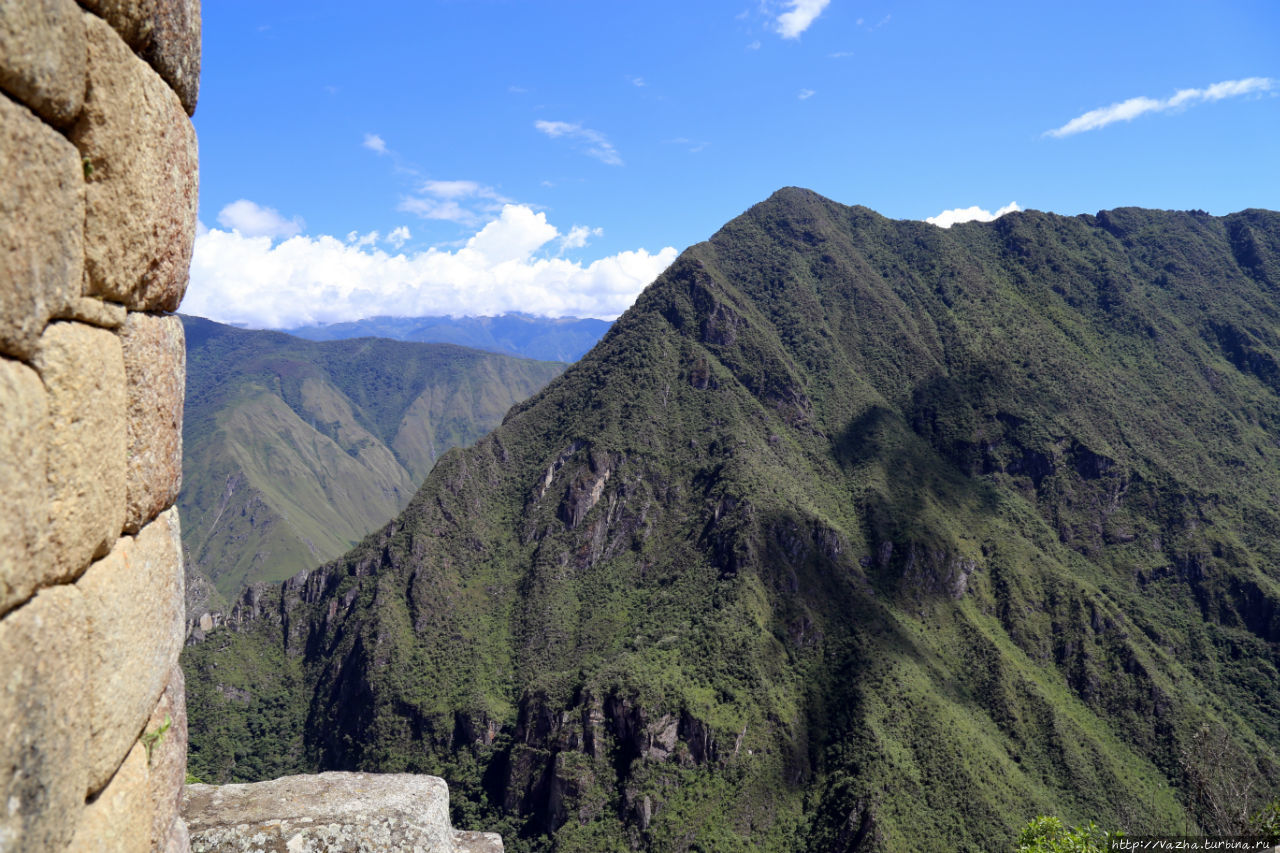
<point>852,534</point>
<point>329,813</point>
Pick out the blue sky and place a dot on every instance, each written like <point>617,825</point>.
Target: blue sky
<point>553,157</point>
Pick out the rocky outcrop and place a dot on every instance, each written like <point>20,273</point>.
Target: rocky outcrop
<point>331,812</point>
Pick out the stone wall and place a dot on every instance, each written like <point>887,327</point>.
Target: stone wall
<point>97,219</point>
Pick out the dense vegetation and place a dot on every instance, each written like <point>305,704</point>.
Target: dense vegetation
<point>851,535</point>
<point>545,338</point>
<point>295,450</point>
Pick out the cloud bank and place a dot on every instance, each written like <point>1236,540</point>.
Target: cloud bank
<point>947,218</point>
<point>1134,107</point>
<point>255,281</point>
<point>593,142</point>
<point>803,13</point>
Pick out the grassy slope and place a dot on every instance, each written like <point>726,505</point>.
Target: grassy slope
<point>852,534</point>
<point>295,450</point>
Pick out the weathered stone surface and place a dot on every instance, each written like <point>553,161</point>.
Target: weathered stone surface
<point>119,818</point>
<point>135,616</point>
<point>42,56</point>
<point>179,840</point>
<point>166,33</point>
<point>24,488</point>
<point>477,842</point>
<point>140,150</point>
<point>335,812</point>
<point>44,720</point>
<point>95,312</point>
<point>83,372</point>
<point>42,208</point>
<point>167,770</point>
<point>155,367</point>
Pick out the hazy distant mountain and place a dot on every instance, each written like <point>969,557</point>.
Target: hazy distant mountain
<point>852,534</point>
<point>544,338</point>
<point>294,450</point>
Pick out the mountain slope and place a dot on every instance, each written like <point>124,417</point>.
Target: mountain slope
<point>852,534</point>
<point>546,338</point>
<point>295,450</point>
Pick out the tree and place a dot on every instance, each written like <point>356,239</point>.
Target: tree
<point>1220,779</point>
<point>1046,834</point>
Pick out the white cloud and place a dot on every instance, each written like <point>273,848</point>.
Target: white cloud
<point>636,81</point>
<point>578,236</point>
<point>693,145</point>
<point>399,236</point>
<point>1134,107</point>
<point>464,202</point>
<point>503,267</point>
<point>947,218</point>
<point>374,142</point>
<point>251,220</point>
<point>431,208</point>
<point>595,143</point>
<point>452,189</point>
<point>805,94</point>
<point>755,45</point>
<point>360,241</point>
<point>803,13</point>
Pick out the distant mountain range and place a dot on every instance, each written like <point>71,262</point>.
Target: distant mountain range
<point>851,535</point>
<point>543,338</point>
<point>295,450</point>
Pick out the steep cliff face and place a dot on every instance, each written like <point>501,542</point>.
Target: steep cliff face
<point>851,534</point>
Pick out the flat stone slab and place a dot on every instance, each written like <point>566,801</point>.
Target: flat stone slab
<point>332,812</point>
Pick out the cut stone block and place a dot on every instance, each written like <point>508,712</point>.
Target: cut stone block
<point>83,372</point>
<point>166,33</point>
<point>44,720</point>
<point>24,487</point>
<point>167,770</point>
<point>119,818</point>
<point>155,366</point>
<point>42,56</point>
<point>42,210</point>
<point>140,153</point>
<point>135,614</point>
<point>95,312</point>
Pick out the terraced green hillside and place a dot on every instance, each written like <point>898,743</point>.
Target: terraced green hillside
<point>851,535</point>
<point>295,450</point>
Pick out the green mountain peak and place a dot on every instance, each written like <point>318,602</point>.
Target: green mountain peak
<point>851,534</point>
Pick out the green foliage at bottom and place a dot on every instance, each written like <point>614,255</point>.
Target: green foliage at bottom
<point>1048,835</point>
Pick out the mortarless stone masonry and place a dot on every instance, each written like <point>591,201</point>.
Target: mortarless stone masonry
<point>97,222</point>
<point>97,225</point>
